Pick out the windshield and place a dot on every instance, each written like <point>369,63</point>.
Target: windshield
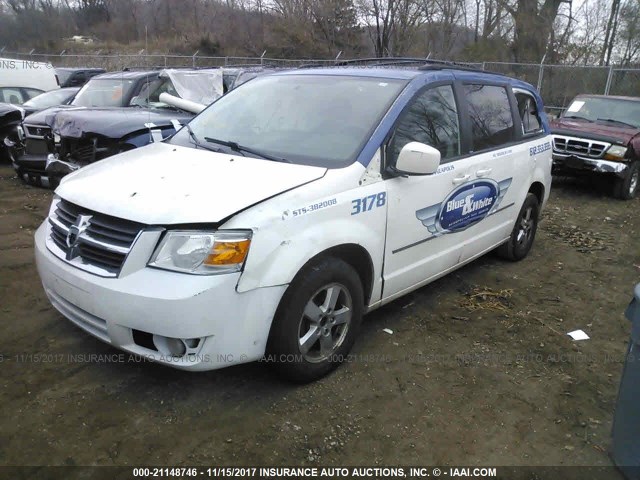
<point>149,95</point>
<point>50,99</point>
<point>605,110</point>
<point>311,119</point>
<point>108,92</point>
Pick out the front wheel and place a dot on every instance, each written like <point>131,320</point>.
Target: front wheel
<point>626,188</point>
<point>317,321</point>
<point>524,231</point>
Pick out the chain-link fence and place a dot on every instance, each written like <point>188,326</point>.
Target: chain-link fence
<point>558,84</point>
<point>625,82</point>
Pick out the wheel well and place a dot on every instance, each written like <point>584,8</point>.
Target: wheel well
<point>356,256</point>
<point>537,189</point>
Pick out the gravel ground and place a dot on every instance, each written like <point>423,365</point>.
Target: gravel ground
<point>478,370</point>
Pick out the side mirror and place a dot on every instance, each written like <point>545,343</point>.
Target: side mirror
<point>417,159</point>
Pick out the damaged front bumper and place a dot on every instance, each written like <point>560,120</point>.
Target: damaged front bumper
<point>59,168</point>
<point>574,163</point>
<point>31,168</point>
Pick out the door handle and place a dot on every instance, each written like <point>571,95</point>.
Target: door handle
<point>462,179</point>
<point>483,172</point>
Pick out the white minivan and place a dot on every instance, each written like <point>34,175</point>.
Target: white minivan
<point>21,80</point>
<point>287,209</point>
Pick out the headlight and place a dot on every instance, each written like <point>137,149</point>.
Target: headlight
<point>202,253</point>
<point>615,152</point>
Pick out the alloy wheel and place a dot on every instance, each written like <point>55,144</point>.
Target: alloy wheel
<point>325,322</point>
<point>525,230</point>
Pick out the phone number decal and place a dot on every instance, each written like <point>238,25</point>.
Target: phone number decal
<point>539,149</point>
<point>314,207</point>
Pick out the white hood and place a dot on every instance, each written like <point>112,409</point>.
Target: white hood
<point>165,184</point>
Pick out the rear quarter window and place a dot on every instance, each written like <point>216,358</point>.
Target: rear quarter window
<point>528,110</point>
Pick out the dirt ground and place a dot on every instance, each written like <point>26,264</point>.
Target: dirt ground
<point>478,370</point>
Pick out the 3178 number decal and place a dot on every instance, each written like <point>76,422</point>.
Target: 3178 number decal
<point>365,204</point>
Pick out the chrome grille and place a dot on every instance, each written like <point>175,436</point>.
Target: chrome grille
<point>579,146</point>
<point>102,243</point>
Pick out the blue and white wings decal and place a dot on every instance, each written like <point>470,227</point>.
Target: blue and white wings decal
<point>503,186</point>
<point>465,206</point>
<point>429,217</point>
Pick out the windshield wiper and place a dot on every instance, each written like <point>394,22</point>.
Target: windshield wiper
<point>578,117</point>
<point>611,120</point>
<point>241,148</point>
<point>195,140</point>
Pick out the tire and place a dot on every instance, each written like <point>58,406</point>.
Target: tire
<point>4,153</point>
<point>54,182</point>
<point>626,188</point>
<point>305,312</point>
<point>524,231</point>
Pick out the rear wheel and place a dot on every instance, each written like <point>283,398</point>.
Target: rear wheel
<point>524,231</point>
<point>626,188</point>
<point>317,321</point>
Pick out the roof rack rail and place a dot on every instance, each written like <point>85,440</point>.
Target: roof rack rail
<point>442,64</point>
<point>380,61</point>
<point>136,68</point>
<point>371,62</point>
<point>419,62</point>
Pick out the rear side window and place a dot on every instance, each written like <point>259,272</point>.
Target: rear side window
<point>531,123</point>
<point>11,95</point>
<point>432,119</point>
<point>490,114</point>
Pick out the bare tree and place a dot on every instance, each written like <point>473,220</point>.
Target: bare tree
<point>533,23</point>
<point>629,33</point>
<point>610,34</point>
<point>583,40</point>
<point>390,22</point>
